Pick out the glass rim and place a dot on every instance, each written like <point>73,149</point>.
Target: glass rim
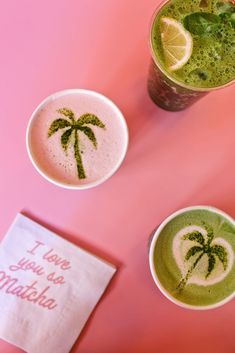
<point>161,68</point>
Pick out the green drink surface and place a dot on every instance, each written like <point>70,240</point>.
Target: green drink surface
<point>173,265</point>
<point>212,63</point>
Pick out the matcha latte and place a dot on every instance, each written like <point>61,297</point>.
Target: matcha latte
<point>192,257</point>
<point>77,138</point>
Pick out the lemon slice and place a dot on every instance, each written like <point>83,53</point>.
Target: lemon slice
<point>177,43</point>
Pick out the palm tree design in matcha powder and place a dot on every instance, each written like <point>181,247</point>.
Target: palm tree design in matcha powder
<point>203,247</point>
<point>73,127</point>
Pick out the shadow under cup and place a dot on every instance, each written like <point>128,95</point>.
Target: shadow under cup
<point>166,91</point>
<point>192,257</point>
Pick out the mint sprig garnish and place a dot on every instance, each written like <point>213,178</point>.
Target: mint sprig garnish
<point>227,13</point>
<point>200,23</point>
<point>225,7</point>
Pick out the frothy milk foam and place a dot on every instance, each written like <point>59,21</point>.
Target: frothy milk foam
<point>98,161</point>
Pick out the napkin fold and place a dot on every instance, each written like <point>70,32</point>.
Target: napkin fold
<point>48,288</point>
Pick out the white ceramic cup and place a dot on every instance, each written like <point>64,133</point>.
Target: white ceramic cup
<point>152,266</point>
<point>107,102</point>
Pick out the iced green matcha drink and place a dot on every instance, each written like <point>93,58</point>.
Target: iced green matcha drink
<point>192,257</point>
<point>193,51</point>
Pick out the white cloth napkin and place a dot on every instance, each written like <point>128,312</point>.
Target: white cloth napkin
<point>48,288</point>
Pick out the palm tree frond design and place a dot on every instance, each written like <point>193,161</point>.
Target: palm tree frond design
<point>204,248</point>
<point>73,126</point>
<point>210,232</point>
<point>195,236</point>
<point>57,125</point>
<point>65,138</point>
<point>211,264</point>
<point>221,253</point>
<point>67,112</point>
<point>192,251</point>
<point>90,119</point>
<point>90,134</point>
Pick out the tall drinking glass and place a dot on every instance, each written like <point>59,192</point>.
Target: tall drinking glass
<point>213,53</point>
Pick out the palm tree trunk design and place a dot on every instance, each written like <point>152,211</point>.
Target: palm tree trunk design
<point>78,157</point>
<point>184,280</point>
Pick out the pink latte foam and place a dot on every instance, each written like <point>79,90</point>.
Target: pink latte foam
<point>60,165</point>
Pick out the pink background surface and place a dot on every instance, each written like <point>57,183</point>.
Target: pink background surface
<point>174,160</point>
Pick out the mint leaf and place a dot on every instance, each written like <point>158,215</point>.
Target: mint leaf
<point>228,18</point>
<point>201,23</point>
<point>225,7</point>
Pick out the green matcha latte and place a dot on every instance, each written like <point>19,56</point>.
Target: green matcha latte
<point>192,46</point>
<point>192,257</point>
<point>211,24</point>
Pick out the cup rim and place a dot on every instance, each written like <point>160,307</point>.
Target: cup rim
<point>161,68</point>
<point>106,100</point>
<point>151,258</point>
